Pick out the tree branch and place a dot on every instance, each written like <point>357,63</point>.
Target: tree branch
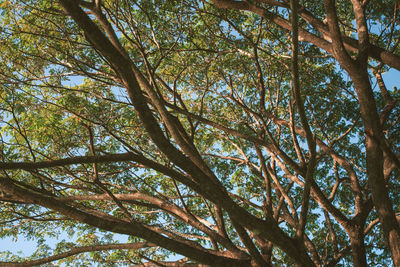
<point>78,250</point>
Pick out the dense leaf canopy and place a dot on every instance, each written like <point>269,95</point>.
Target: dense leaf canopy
<point>192,133</point>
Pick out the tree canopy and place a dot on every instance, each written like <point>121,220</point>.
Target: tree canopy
<point>200,133</point>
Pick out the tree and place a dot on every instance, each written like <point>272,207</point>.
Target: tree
<point>231,133</point>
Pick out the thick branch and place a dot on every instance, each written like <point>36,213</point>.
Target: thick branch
<point>117,226</point>
<point>68,161</point>
<point>323,42</point>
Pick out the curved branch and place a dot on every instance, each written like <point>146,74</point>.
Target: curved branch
<point>118,226</point>
<point>189,218</point>
<point>68,161</point>
<point>78,250</point>
<point>324,42</point>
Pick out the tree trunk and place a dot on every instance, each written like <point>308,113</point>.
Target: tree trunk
<point>376,181</point>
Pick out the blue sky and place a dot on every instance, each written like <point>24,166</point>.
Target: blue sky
<point>391,78</point>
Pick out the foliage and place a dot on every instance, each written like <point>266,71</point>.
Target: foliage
<point>179,125</point>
